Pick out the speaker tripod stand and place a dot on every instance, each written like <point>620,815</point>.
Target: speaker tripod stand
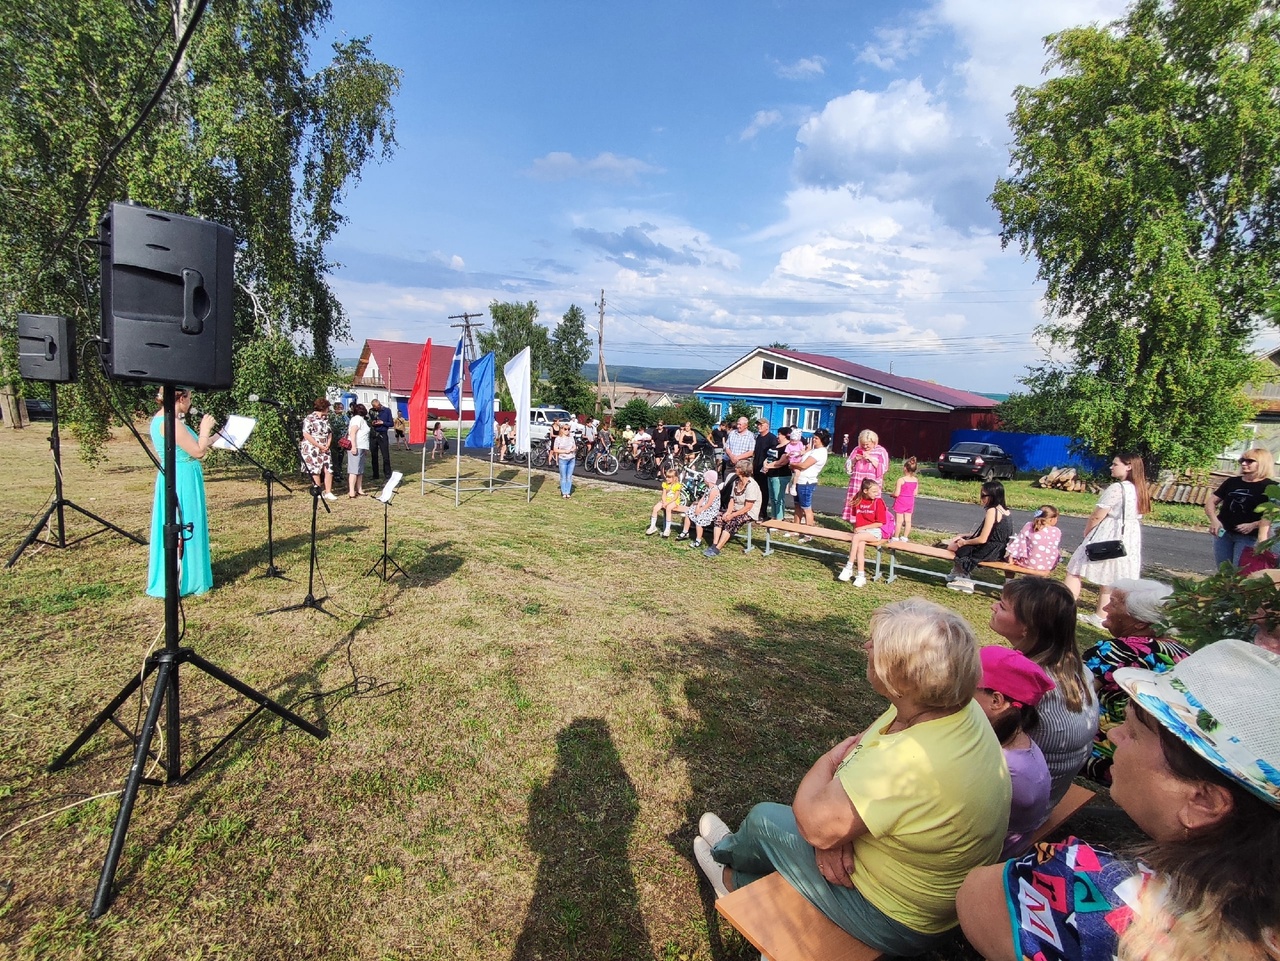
<point>60,503</point>
<point>164,695</point>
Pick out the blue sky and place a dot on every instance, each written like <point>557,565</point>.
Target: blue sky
<point>814,173</point>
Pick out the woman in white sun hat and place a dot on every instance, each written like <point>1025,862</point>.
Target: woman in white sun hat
<point>1197,767</point>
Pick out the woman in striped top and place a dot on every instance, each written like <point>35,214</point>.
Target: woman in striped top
<point>1037,616</point>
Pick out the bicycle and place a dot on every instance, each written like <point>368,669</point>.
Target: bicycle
<point>646,463</point>
<point>542,453</point>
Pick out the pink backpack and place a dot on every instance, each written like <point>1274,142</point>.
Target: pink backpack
<point>886,529</point>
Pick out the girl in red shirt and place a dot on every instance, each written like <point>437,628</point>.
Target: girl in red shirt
<point>869,515</point>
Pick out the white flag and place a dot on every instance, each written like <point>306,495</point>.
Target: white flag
<point>517,371</point>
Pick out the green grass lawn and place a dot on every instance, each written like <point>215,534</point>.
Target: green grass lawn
<point>522,734</point>
<point>1020,493</point>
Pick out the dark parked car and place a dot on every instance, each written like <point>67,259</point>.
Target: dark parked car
<point>972,459</point>
<point>39,409</point>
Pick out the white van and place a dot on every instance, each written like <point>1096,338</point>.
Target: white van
<point>541,418</point>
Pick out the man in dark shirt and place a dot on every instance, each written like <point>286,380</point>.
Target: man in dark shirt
<point>766,443</point>
<point>379,423</point>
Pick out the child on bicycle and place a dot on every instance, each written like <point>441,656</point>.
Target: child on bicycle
<point>904,499</point>
<point>669,502</point>
<point>869,516</point>
<point>703,512</point>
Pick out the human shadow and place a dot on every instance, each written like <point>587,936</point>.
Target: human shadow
<point>584,901</point>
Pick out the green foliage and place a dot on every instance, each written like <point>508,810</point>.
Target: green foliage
<point>1221,605</point>
<point>740,408</point>
<point>275,367</point>
<point>637,413</point>
<point>692,409</point>
<point>1039,412</point>
<point>1144,181</point>
<point>244,136</point>
<point>568,350</point>
<point>515,327</point>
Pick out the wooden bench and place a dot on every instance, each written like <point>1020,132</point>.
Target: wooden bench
<point>784,925</point>
<point>1077,796</point>
<point>814,531</point>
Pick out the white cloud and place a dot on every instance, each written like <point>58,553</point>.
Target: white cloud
<point>560,165</point>
<point>805,68</point>
<point>892,45</point>
<point>457,263</point>
<point>763,120</point>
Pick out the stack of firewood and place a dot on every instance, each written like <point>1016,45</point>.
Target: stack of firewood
<point>1067,479</point>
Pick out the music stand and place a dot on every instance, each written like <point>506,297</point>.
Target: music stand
<point>60,503</point>
<point>310,602</point>
<point>165,665</point>
<point>386,562</point>
<point>234,440</point>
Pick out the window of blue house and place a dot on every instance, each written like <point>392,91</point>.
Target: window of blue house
<point>812,419</point>
<point>772,371</point>
<point>717,410</point>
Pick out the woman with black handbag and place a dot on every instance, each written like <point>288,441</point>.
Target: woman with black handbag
<point>1112,547</point>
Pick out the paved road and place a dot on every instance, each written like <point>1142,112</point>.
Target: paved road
<point>1164,549</point>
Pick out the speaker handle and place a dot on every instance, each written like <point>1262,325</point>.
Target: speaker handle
<point>192,282</point>
<point>48,347</point>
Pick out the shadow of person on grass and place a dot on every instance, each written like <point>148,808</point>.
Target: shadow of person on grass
<point>584,901</point>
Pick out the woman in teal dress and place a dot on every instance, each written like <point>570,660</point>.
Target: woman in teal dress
<point>195,566</point>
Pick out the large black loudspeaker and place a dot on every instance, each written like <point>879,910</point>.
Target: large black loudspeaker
<point>167,284</point>
<point>47,348</point>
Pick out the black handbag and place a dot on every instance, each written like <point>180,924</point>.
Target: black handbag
<point>1109,550</point>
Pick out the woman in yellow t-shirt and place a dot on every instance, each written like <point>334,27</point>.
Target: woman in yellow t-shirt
<point>886,825</point>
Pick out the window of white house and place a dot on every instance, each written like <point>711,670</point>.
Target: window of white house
<point>811,419</point>
<point>717,410</point>
<point>759,412</point>
<point>854,396</point>
<point>772,371</point>
<point>790,415</point>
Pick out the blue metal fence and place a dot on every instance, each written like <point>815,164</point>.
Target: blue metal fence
<point>1035,452</point>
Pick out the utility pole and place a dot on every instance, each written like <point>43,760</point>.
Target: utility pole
<point>467,326</point>
<point>601,376</point>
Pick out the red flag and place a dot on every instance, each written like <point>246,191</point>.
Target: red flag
<point>418,398</point>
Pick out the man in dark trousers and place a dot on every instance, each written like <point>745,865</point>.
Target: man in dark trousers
<point>380,422</point>
<point>766,444</point>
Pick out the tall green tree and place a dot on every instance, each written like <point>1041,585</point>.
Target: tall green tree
<point>247,134</point>
<point>1144,182</point>
<point>515,327</point>
<point>568,351</point>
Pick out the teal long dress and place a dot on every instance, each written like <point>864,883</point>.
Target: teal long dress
<point>195,566</point>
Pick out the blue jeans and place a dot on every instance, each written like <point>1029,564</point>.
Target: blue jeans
<point>768,840</point>
<point>1231,545</point>
<point>566,474</point>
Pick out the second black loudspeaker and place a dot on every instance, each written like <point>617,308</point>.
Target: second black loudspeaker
<point>167,283</point>
<point>47,348</point>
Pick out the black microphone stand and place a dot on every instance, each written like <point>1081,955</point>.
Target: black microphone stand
<point>310,602</point>
<point>270,478</point>
<point>60,503</point>
<point>165,665</point>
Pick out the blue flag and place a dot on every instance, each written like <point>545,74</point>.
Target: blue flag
<point>453,386</point>
<point>482,370</point>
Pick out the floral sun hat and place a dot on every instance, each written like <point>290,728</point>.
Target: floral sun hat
<point>1224,702</point>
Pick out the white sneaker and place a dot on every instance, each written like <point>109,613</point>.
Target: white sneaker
<point>860,580</point>
<point>962,584</point>
<point>846,573</point>
<point>653,529</point>
<point>329,496</point>
<point>711,829</point>
<point>1093,620</point>
<point>712,868</point>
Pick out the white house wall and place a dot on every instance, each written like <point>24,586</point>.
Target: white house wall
<point>746,379</point>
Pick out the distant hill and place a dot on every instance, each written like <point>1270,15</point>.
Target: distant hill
<point>671,380</point>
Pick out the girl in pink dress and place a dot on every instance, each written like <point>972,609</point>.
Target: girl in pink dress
<point>904,499</point>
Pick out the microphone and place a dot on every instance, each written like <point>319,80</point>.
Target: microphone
<point>255,399</point>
